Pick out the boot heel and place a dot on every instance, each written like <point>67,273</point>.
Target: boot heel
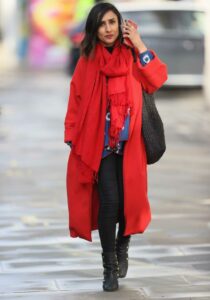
<point>122,247</point>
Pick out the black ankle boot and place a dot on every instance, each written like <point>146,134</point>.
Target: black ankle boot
<point>110,273</point>
<point>122,246</point>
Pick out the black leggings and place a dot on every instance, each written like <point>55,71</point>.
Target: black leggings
<point>111,207</point>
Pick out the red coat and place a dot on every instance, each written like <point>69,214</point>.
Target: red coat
<point>83,199</point>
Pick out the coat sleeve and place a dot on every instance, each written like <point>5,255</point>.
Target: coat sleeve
<point>153,75</point>
<point>73,102</point>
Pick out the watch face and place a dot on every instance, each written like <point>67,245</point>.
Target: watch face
<point>146,58</point>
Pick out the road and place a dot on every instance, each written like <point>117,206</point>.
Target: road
<point>38,259</point>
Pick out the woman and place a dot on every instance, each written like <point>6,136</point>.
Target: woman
<point>107,168</point>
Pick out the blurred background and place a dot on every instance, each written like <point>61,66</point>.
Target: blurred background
<point>47,34</point>
<point>39,48</point>
<point>39,34</point>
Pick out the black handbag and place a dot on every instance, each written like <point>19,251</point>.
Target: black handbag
<point>152,129</point>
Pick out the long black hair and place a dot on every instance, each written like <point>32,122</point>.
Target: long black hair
<point>93,23</point>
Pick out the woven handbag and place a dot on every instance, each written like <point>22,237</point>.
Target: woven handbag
<point>152,129</point>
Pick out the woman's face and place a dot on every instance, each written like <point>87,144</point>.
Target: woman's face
<point>108,30</point>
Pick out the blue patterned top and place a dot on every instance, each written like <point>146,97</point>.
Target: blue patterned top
<point>123,136</point>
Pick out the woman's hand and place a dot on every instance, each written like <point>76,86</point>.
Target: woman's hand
<point>69,143</point>
<point>129,31</point>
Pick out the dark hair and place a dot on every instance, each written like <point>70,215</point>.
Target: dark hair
<point>93,23</point>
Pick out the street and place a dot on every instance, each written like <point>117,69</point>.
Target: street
<point>38,259</point>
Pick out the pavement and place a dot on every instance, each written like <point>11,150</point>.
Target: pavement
<point>38,259</point>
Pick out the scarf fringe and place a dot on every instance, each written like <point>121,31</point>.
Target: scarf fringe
<point>119,111</point>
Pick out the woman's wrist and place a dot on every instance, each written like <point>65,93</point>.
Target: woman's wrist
<point>141,47</point>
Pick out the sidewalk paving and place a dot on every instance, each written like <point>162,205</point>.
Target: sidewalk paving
<point>38,259</point>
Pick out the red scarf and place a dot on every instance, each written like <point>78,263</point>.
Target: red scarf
<point>107,78</point>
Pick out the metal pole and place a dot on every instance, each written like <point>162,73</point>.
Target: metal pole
<point>207,54</point>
